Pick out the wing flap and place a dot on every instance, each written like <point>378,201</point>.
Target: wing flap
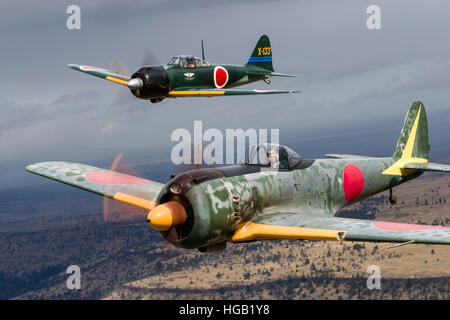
<point>138,192</point>
<point>102,73</point>
<point>322,227</point>
<point>223,92</point>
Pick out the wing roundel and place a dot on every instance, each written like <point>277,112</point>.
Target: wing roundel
<point>138,192</point>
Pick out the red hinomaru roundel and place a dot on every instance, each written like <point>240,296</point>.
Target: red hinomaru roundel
<point>113,178</point>
<point>220,77</point>
<point>88,68</point>
<point>353,182</point>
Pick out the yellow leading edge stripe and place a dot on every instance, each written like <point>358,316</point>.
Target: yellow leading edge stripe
<point>398,168</point>
<point>195,93</point>
<point>116,80</point>
<point>407,151</point>
<point>134,201</point>
<point>254,231</point>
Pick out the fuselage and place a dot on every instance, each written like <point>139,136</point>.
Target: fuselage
<point>217,200</point>
<point>209,78</point>
<point>159,81</point>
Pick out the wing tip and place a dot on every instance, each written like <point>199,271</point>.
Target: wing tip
<point>34,167</point>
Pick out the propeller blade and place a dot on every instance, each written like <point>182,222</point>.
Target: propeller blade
<point>117,66</point>
<point>149,59</point>
<point>114,211</point>
<point>195,164</point>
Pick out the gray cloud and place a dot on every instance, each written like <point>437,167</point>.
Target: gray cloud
<point>347,73</point>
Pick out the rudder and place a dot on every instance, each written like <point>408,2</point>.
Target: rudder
<point>262,54</point>
<point>413,141</point>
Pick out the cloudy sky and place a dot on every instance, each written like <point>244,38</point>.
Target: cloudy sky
<point>348,74</point>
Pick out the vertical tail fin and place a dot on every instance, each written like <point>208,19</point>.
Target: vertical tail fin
<point>413,145</point>
<point>262,54</point>
<point>413,141</point>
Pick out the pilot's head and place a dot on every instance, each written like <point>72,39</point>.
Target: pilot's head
<point>272,155</point>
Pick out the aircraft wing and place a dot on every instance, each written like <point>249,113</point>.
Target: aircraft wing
<point>134,191</point>
<point>102,73</point>
<point>223,92</point>
<point>322,227</point>
<point>345,156</point>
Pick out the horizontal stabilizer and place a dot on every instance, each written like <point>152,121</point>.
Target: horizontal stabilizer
<point>271,74</point>
<point>429,166</point>
<point>275,74</point>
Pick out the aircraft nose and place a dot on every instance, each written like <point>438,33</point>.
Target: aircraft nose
<point>166,215</point>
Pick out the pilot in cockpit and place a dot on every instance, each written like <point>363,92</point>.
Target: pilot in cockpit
<point>190,62</point>
<point>273,157</point>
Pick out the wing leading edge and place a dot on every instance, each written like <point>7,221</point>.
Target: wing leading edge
<point>223,92</point>
<point>131,190</point>
<point>102,73</point>
<point>321,227</point>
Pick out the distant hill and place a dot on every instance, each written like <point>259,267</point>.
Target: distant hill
<point>132,261</point>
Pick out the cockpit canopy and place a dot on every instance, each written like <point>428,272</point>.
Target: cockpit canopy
<point>187,62</point>
<point>272,155</point>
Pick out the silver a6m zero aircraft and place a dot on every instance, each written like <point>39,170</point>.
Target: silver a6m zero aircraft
<point>274,194</point>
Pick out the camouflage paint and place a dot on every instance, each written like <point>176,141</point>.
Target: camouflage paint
<point>316,189</point>
<point>220,202</point>
<point>174,81</point>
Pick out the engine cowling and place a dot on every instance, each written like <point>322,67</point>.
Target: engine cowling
<point>204,224</point>
<point>155,83</point>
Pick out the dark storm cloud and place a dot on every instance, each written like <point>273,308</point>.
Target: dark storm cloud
<point>19,116</point>
<point>347,73</point>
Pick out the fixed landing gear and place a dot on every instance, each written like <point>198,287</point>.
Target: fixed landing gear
<point>392,198</point>
<point>266,80</point>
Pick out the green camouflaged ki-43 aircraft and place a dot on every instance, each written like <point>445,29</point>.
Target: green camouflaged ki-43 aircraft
<point>188,76</point>
<point>275,194</point>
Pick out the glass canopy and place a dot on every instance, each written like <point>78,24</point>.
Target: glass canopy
<point>187,62</point>
<point>272,155</point>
